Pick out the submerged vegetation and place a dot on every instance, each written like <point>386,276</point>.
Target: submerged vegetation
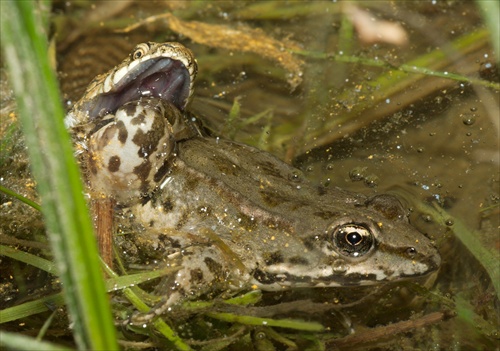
<point>302,82</point>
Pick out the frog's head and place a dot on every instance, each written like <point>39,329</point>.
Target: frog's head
<point>153,70</point>
<point>379,244</point>
<point>371,242</point>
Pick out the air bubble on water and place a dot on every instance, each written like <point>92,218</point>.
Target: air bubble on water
<point>468,119</point>
<point>357,174</point>
<point>371,180</point>
<point>327,182</point>
<point>260,335</point>
<point>294,176</point>
<point>339,266</point>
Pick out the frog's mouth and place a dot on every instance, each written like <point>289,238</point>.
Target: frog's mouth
<point>159,77</point>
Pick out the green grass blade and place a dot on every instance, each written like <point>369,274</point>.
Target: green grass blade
<point>66,216</point>
<point>21,342</point>
<point>28,258</point>
<point>491,15</point>
<point>159,324</point>
<point>30,308</point>
<point>20,198</point>
<point>268,322</point>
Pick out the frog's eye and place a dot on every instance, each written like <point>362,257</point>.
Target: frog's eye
<point>353,240</point>
<point>139,51</point>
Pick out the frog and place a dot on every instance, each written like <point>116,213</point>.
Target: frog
<point>227,215</point>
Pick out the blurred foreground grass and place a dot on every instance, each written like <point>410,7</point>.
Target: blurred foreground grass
<point>25,49</point>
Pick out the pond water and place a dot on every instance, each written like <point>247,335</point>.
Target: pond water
<point>347,109</point>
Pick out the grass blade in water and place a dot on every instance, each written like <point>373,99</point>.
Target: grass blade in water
<point>68,224</point>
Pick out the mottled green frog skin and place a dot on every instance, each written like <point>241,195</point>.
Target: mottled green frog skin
<point>230,215</point>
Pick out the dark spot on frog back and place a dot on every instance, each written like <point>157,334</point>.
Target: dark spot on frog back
<point>114,164</point>
<point>142,172</point>
<point>167,205</point>
<point>144,141</point>
<point>263,277</point>
<point>298,260</point>
<point>122,132</point>
<point>129,109</point>
<point>196,276</point>
<point>214,267</point>
<point>274,258</point>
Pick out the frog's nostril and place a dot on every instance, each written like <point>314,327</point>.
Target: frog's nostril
<point>435,261</point>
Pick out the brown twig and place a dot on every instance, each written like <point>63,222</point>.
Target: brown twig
<point>377,334</point>
<point>102,210</point>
